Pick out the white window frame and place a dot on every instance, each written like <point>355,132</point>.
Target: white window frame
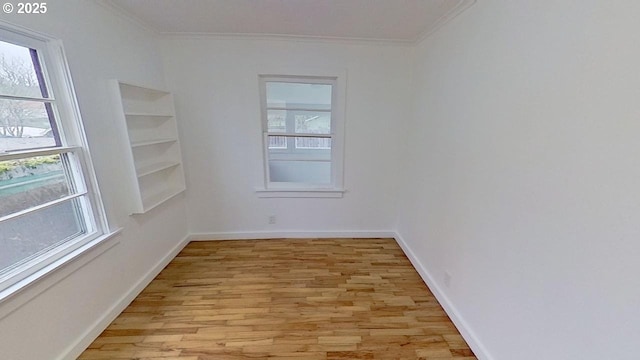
<point>335,187</point>
<point>74,143</point>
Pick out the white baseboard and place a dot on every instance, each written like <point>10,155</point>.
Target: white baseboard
<point>92,333</point>
<point>465,330</point>
<point>232,235</point>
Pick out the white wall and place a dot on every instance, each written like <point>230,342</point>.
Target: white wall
<point>215,83</point>
<point>517,172</point>
<point>49,318</point>
<point>522,175</point>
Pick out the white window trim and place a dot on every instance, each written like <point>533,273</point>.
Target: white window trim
<point>300,193</point>
<point>55,68</point>
<point>69,257</point>
<point>308,190</point>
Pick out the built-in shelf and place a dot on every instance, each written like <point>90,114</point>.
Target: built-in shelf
<point>154,158</point>
<point>158,198</point>
<point>152,115</point>
<point>152,142</point>
<point>154,168</point>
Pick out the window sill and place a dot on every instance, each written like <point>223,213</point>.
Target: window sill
<point>71,257</point>
<point>300,193</point>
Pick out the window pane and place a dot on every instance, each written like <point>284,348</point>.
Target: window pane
<point>24,125</point>
<point>17,73</point>
<point>24,237</point>
<point>276,120</point>
<point>313,143</point>
<point>277,142</point>
<point>298,95</point>
<point>312,122</point>
<point>305,147</point>
<point>26,183</point>
<point>312,172</point>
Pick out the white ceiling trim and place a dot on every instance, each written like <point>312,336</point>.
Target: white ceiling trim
<point>287,37</point>
<point>439,23</point>
<point>445,19</point>
<point>122,13</point>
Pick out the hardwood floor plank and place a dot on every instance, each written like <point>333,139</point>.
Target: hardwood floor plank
<point>286,299</point>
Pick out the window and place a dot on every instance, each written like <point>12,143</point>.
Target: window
<point>302,129</point>
<point>48,200</point>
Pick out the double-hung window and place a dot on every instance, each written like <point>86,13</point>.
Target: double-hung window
<point>302,132</point>
<point>49,205</point>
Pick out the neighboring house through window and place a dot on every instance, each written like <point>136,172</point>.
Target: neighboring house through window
<point>49,204</point>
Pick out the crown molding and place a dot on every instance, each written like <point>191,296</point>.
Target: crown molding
<point>115,9</point>
<point>286,37</point>
<point>460,7</point>
<point>445,19</point>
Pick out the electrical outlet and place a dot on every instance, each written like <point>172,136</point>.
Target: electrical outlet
<point>447,279</point>
<point>272,219</point>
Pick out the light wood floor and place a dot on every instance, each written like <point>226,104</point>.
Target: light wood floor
<point>284,299</point>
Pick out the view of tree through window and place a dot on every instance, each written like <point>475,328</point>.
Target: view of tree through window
<point>41,200</point>
<point>24,124</point>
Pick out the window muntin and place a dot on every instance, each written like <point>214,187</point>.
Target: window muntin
<point>298,123</point>
<point>46,210</point>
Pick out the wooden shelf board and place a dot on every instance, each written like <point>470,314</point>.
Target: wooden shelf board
<point>152,142</point>
<point>136,114</point>
<point>157,199</point>
<point>154,168</point>
<point>139,89</point>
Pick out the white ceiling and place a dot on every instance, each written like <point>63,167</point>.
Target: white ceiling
<point>391,20</point>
